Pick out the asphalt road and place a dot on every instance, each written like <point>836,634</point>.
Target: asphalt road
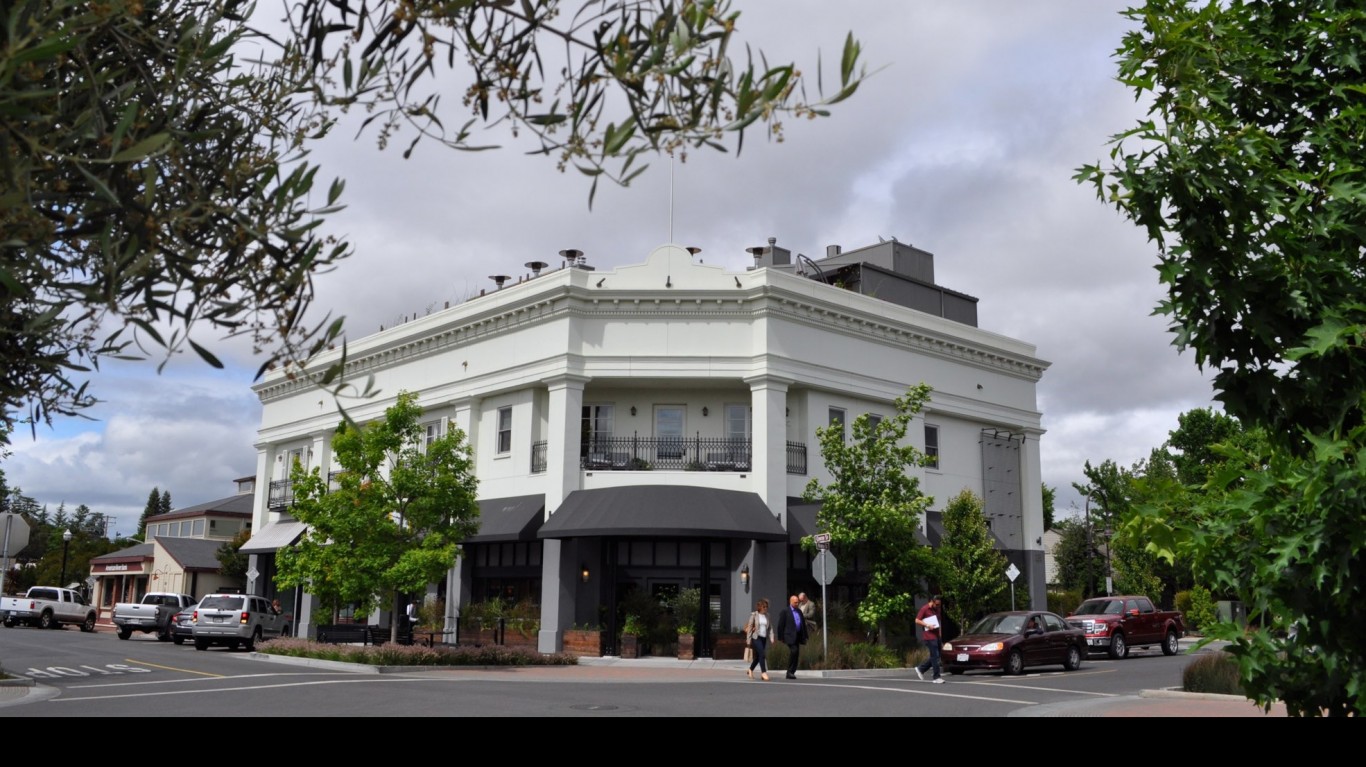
<point>77,674</point>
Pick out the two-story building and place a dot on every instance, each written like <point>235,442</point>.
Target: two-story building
<point>179,553</point>
<point>654,426</point>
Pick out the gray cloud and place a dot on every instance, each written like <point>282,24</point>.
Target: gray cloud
<point>964,144</point>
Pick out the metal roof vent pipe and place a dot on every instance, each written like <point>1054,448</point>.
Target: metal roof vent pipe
<point>692,250</point>
<point>758,252</point>
<point>576,259</point>
<point>536,267</point>
<point>499,279</point>
<point>833,250</point>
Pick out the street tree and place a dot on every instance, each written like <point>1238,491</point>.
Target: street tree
<point>1248,177</point>
<point>1080,567</point>
<point>394,519</point>
<point>874,505</point>
<point>156,187</point>
<point>972,570</point>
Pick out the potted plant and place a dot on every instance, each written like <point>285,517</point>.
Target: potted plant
<point>686,607</point>
<point>631,630</point>
<point>582,641</point>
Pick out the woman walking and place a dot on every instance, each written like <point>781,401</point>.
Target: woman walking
<point>757,633</point>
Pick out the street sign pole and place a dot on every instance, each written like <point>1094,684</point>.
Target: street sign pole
<point>825,623</point>
<point>826,559</point>
<point>1012,573</point>
<point>4,553</point>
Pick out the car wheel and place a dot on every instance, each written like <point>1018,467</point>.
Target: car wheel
<point>956,671</point>
<point>89,625</point>
<point>1073,661</point>
<point>1118,647</point>
<point>9,624</point>
<point>250,644</point>
<point>47,621</point>
<point>178,639</point>
<point>1171,645</point>
<point>201,644</point>
<point>125,633</point>
<point>1014,663</point>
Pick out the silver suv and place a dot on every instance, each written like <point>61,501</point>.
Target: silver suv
<point>236,620</point>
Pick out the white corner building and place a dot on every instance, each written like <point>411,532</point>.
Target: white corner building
<point>654,426</point>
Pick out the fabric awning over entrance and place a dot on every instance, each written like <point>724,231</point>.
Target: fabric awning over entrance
<point>801,521</point>
<point>273,537</point>
<point>509,519</point>
<point>663,511</point>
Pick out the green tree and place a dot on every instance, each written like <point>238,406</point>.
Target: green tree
<point>232,563</point>
<point>151,509</point>
<point>164,503</point>
<point>155,183</point>
<point>1248,176</point>
<point>972,569</point>
<point>873,505</point>
<point>1050,497</point>
<point>393,522</point>
<point>1080,566</point>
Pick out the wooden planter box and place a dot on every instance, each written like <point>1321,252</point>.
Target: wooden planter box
<point>514,638</point>
<point>685,647</point>
<point>583,643</point>
<point>630,646</point>
<point>728,647</point>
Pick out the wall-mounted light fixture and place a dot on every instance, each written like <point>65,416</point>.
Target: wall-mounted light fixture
<point>584,573</point>
<point>704,411</point>
<point>633,410</point>
<point>744,577</point>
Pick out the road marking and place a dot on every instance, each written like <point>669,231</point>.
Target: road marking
<point>183,681</point>
<point>367,680</point>
<point>173,668</point>
<point>936,692</point>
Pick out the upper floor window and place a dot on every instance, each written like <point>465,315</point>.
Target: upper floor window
<point>873,420</point>
<point>932,446</point>
<point>432,433</point>
<point>737,422</point>
<point>505,429</point>
<point>597,424</point>
<point>837,420</point>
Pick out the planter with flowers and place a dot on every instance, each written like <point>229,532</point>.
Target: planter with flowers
<point>631,630</point>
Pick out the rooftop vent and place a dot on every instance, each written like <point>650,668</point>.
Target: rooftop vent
<point>536,267</point>
<point>692,250</point>
<point>499,279</point>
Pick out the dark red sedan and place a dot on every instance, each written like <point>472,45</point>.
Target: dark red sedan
<point>1011,641</point>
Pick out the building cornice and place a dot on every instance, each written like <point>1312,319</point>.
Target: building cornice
<point>778,295</point>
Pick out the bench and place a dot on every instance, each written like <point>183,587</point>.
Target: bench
<point>360,633</point>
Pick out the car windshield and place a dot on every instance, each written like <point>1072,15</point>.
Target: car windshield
<point>222,603</point>
<point>1100,607</point>
<point>998,624</point>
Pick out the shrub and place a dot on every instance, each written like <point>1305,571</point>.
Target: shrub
<point>686,605</point>
<point>524,617</point>
<point>1202,614</point>
<point>1215,672</point>
<point>1063,602</point>
<point>413,655</point>
<point>1182,604</point>
<point>431,613</point>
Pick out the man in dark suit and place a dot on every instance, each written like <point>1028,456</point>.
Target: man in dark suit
<point>791,631</point>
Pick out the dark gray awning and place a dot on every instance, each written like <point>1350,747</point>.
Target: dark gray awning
<point>509,519</point>
<point>274,537</point>
<point>801,522</point>
<point>663,511</point>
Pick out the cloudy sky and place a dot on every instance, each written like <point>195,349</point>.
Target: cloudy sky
<point>964,143</point>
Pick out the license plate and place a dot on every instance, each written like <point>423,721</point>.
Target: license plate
<point>962,657</point>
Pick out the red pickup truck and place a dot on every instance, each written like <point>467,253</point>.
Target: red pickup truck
<point>1114,624</point>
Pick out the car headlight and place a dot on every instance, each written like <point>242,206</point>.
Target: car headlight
<point>948,647</point>
<point>993,647</point>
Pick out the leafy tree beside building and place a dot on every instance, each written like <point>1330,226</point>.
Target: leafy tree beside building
<point>394,520</point>
<point>972,570</point>
<point>872,504</point>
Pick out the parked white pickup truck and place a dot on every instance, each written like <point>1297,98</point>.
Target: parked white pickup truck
<point>154,613</point>
<point>48,607</point>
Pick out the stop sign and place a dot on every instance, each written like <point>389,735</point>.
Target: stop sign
<point>14,536</point>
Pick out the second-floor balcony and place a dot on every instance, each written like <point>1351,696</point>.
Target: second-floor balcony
<point>698,453</point>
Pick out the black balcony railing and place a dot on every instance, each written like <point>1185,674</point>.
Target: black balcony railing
<point>281,495</point>
<point>538,457</point>
<point>677,453</point>
<point>796,458</point>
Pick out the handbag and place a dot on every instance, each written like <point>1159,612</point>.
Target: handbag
<point>749,654</point>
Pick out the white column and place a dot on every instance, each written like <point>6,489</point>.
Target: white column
<point>768,398</point>
<point>1031,512</point>
<point>562,477</point>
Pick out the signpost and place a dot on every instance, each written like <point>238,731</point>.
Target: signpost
<point>1012,573</point>
<point>15,538</point>
<point>824,568</point>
